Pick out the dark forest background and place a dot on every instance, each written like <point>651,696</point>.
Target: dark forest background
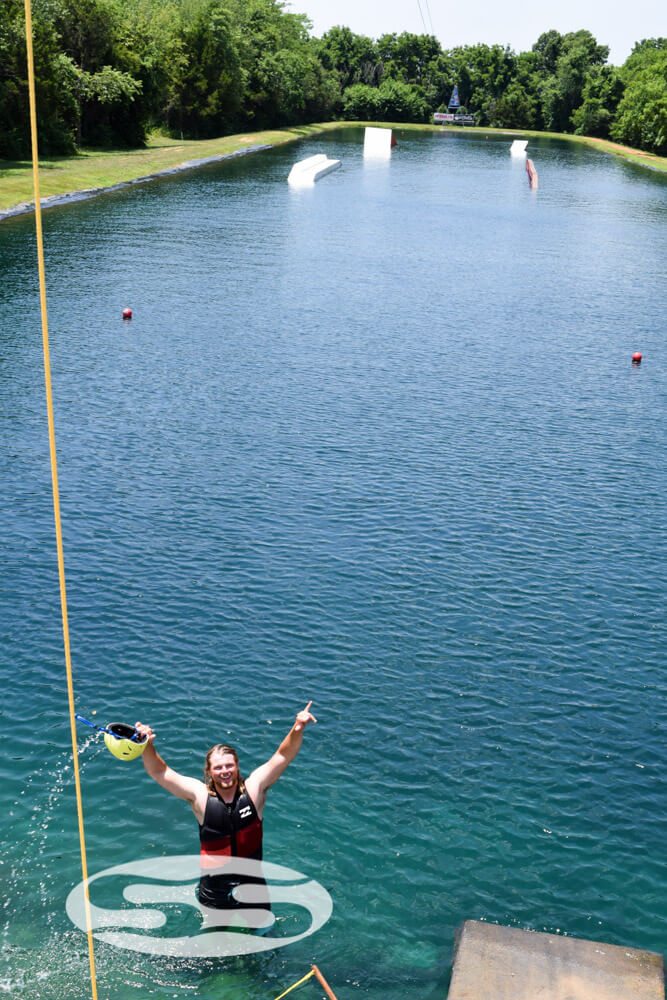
<point>109,71</point>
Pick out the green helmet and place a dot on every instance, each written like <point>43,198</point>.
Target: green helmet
<point>119,742</point>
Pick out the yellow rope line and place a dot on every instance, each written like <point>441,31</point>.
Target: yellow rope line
<point>54,477</point>
<point>311,973</point>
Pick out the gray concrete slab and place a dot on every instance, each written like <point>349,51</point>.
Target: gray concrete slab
<point>505,963</point>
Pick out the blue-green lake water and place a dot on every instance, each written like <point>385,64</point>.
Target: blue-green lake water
<point>378,443</point>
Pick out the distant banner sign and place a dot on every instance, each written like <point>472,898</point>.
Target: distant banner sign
<point>454,101</point>
<point>439,118</point>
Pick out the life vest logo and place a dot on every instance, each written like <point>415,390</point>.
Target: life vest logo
<point>245,812</point>
<point>294,895</point>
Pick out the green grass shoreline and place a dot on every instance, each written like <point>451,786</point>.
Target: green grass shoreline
<point>94,171</point>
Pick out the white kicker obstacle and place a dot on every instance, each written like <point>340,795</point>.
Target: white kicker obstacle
<point>306,172</point>
<point>518,147</point>
<point>378,142</point>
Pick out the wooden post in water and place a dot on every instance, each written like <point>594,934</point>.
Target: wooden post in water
<point>323,983</point>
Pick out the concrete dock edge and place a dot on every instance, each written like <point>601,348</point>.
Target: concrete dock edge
<point>505,963</point>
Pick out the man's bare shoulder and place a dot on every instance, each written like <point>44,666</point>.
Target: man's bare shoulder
<point>256,791</point>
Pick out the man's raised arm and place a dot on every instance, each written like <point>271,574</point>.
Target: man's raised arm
<point>267,774</point>
<point>178,784</point>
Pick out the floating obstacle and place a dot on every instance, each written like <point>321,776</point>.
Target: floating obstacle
<point>378,142</point>
<point>507,963</point>
<point>306,172</point>
<point>518,147</point>
<point>637,358</point>
<point>532,173</point>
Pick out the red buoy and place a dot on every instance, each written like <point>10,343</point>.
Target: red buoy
<point>127,314</point>
<point>637,358</point>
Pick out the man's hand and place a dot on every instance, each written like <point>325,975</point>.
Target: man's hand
<point>304,718</point>
<point>146,731</point>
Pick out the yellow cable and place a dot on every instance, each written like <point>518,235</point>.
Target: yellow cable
<point>311,973</point>
<point>54,478</point>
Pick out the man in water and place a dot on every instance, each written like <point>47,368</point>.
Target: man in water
<point>228,809</point>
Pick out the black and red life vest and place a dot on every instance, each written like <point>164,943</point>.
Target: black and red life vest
<point>230,830</point>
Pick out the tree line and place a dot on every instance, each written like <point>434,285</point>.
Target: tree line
<point>109,71</point>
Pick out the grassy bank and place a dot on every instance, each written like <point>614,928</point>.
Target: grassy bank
<point>95,169</point>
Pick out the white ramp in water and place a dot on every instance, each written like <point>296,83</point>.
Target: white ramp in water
<point>518,147</point>
<point>378,142</point>
<point>306,172</point>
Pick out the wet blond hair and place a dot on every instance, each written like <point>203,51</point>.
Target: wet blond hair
<point>221,748</point>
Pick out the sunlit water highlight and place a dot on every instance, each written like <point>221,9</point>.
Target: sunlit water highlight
<point>379,444</point>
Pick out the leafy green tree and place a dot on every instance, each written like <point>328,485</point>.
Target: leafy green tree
<point>440,79</point>
<point>100,74</point>
<point>149,36</point>
<point>602,92</point>
<point>393,101</point>
<point>283,78</point>
<point>13,81</point>
<point>354,58</point>
<point>401,102</point>
<point>562,93</point>
<point>519,106</point>
<point>361,103</point>
<point>56,110</point>
<point>274,46</point>
<point>641,118</point>
<point>642,114</point>
<point>649,52</point>
<point>548,48</point>
<point>483,74</point>
<point>408,57</point>
<point>322,90</point>
<point>209,84</point>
